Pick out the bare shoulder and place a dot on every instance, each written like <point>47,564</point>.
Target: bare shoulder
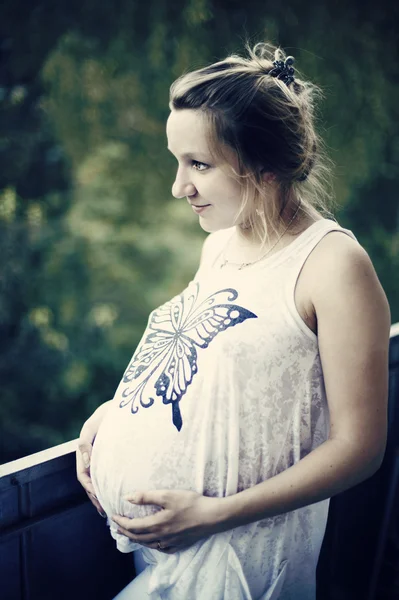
<point>338,261</point>
<point>338,270</point>
<point>335,252</point>
<point>342,281</point>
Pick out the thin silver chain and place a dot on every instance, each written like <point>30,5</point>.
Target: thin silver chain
<point>246,264</point>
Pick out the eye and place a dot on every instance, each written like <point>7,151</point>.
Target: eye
<point>196,163</point>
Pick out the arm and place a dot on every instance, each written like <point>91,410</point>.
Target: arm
<point>353,333</point>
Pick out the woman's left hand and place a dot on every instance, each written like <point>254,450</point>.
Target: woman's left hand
<point>185,518</point>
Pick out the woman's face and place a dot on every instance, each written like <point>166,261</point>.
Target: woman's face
<point>198,178</point>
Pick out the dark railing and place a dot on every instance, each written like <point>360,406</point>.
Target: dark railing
<point>53,543</point>
<point>54,546</point>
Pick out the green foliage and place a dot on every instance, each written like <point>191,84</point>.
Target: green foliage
<point>90,237</point>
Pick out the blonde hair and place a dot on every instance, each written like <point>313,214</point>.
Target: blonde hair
<point>271,128</point>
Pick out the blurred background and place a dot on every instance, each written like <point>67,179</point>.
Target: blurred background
<point>91,239</point>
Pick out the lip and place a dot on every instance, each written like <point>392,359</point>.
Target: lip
<point>200,209</point>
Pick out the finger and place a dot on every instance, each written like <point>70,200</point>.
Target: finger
<point>157,497</point>
<point>148,539</point>
<point>86,482</point>
<point>97,505</point>
<point>149,542</point>
<point>91,493</point>
<point>80,465</point>
<point>170,550</point>
<point>141,526</point>
<point>85,450</point>
<point>83,475</point>
<point>173,549</point>
<point>166,549</point>
<point>84,479</point>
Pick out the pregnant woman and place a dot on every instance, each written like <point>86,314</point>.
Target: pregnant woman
<point>260,390</point>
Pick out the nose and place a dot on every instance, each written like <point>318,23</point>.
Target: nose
<point>183,186</point>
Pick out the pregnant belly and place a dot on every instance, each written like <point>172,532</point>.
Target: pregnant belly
<point>128,456</point>
<point>148,453</point>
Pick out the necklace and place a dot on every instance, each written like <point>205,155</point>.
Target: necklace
<point>246,264</point>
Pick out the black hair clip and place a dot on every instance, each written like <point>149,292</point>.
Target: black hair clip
<point>284,70</point>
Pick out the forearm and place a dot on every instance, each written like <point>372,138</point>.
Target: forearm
<point>329,469</point>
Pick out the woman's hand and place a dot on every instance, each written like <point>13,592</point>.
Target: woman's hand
<point>186,518</point>
<point>83,453</point>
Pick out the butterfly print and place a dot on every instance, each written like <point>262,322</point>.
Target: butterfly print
<point>175,330</point>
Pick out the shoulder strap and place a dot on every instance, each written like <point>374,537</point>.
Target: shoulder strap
<point>297,260</point>
<point>311,237</point>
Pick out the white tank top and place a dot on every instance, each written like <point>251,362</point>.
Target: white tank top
<point>224,391</point>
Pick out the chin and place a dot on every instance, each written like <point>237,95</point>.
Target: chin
<point>210,227</point>
<point>206,227</point>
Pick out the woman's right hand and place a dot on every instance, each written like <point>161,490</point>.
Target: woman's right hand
<point>83,453</point>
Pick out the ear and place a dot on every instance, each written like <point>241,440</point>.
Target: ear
<point>268,177</point>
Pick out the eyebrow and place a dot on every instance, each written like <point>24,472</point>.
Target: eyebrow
<point>191,154</point>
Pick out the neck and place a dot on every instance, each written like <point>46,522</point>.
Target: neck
<point>288,225</point>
